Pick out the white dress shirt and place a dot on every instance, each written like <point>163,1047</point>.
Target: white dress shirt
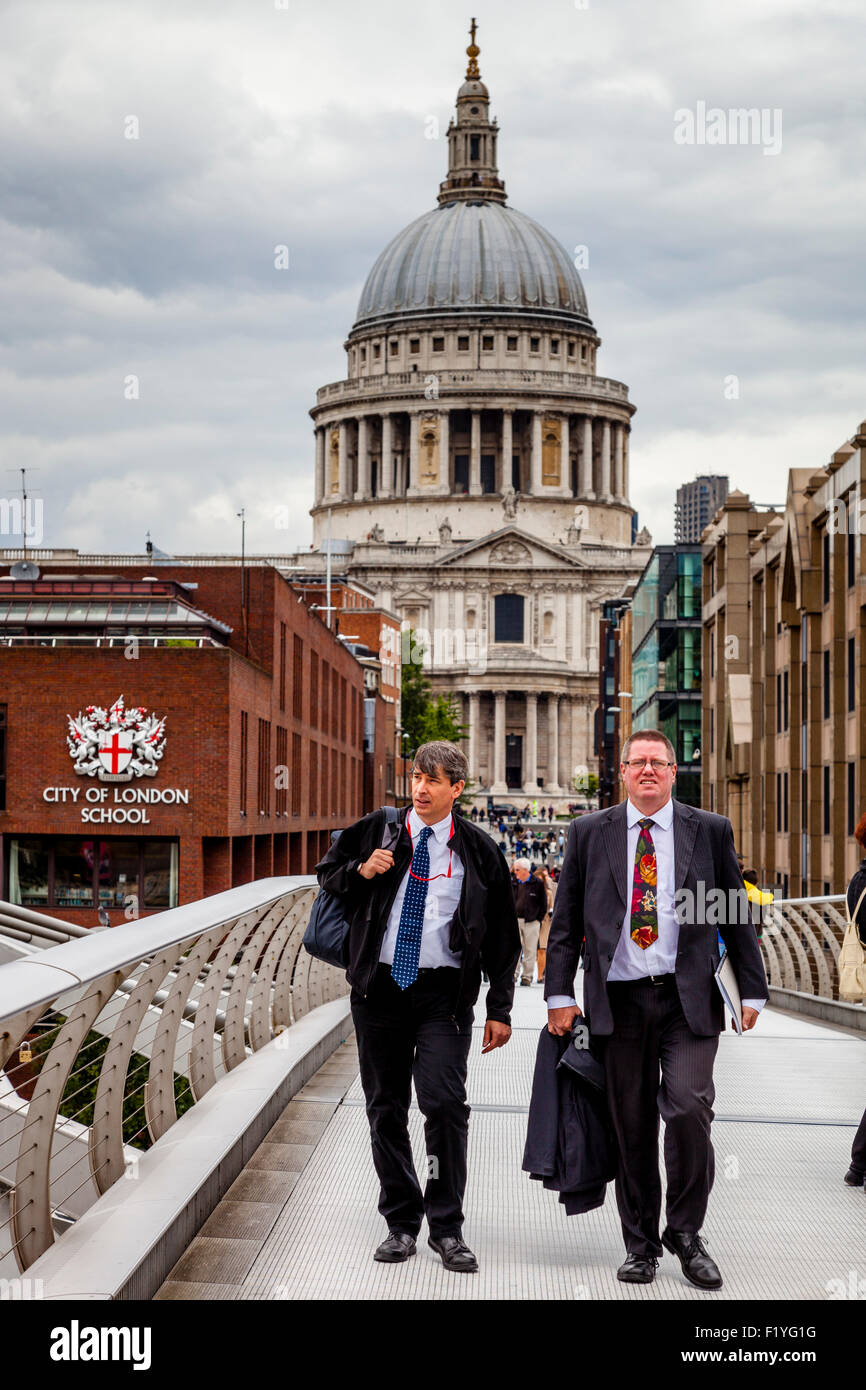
<point>443,895</point>
<point>630,961</point>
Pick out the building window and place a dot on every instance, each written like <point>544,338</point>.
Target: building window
<point>826,799</point>
<point>851,817</point>
<point>778,702</point>
<point>827,683</point>
<point>438,344</point>
<point>571,347</point>
<point>325,720</point>
<point>851,554</point>
<point>852,673</point>
<point>363,356</point>
<point>487,342</point>
<point>314,690</point>
<point>785,698</point>
<point>583,352</point>
<point>324,806</point>
<point>508,618</point>
<point>264,768</point>
<point>785,799</point>
<point>281,781</point>
<point>535,345</point>
<point>825,550</point>
<point>463,342</point>
<point>554,346</point>
<point>297,678</point>
<point>314,779</point>
<point>712,730</point>
<point>394,347</point>
<point>778,801</point>
<point>244,769</point>
<point>414,345</point>
<point>283,665</point>
<point>474,146</point>
<point>64,871</point>
<point>377,351</point>
<point>2,757</point>
<point>296,774</point>
<point>511,343</point>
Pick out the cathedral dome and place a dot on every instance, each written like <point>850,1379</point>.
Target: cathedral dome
<point>470,256</point>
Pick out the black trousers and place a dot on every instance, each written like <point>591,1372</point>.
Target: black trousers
<point>657,1067</point>
<point>858,1148</point>
<point>406,1035</point>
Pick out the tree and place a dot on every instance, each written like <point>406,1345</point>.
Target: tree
<point>424,717</point>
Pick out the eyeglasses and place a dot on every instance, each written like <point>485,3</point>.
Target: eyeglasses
<point>657,764</point>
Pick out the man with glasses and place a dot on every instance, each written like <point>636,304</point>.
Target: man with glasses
<point>650,996</point>
<point>429,909</point>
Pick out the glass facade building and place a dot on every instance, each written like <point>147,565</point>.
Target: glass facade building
<point>666,658</point>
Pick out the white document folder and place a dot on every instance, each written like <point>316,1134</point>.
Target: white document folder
<point>730,991</point>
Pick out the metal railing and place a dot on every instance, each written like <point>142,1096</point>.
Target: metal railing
<point>104,1041</point>
<point>801,940</point>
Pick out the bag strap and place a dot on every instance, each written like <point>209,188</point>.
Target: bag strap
<point>852,916</point>
<point>394,813</point>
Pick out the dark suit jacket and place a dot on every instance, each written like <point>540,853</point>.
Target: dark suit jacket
<point>591,901</point>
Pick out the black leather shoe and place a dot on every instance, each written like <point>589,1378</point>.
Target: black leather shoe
<point>398,1246</point>
<point>854,1179</point>
<point>638,1269</point>
<point>455,1254</point>
<point>699,1268</point>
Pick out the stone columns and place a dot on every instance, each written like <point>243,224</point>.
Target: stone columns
<point>552,784</point>
<point>363,488</point>
<point>386,480</point>
<point>530,757</point>
<point>535,458</point>
<point>507,450</point>
<point>625,435</point>
<point>565,459</point>
<point>474,701</point>
<point>605,461</point>
<point>344,490</point>
<point>475,456</point>
<point>563,772</point>
<point>618,488</point>
<point>320,464</point>
<point>584,487</point>
<point>444,451</point>
<point>412,485</point>
<point>499,785</point>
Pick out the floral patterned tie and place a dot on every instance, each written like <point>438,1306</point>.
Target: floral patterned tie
<point>644,905</point>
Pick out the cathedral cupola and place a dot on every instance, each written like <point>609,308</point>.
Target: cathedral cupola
<point>472,171</point>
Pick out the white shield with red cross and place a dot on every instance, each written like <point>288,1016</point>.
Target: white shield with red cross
<point>115,750</point>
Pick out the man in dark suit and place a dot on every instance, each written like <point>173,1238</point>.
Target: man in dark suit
<point>428,911</point>
<point>649,990</point>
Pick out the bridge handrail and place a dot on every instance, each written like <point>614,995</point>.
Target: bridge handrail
<point>149,993</point>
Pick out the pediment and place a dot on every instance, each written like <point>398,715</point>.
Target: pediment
<point>510,548</point>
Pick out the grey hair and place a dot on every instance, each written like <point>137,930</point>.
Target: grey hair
<point>430,757</point>
<point>522,864</point>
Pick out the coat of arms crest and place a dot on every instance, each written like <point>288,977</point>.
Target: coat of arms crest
<point>117,744</point>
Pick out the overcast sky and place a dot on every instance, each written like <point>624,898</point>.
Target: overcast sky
<point>261,125</point>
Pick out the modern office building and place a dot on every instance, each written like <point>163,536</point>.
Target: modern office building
<point>697,504</point>
<point>666,658</point>
<point>614,713</point>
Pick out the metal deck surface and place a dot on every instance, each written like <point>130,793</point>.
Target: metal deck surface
<point>301,1220</point>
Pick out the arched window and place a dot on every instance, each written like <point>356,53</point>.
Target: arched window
<point>508,618</point>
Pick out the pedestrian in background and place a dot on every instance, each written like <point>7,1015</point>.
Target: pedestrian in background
<point>530,902</point>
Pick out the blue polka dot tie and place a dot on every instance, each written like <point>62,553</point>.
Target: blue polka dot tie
<point>407,950</point>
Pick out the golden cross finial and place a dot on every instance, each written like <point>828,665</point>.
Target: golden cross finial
<point>473,50</point>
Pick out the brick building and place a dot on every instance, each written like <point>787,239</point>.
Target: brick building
<point>238,747</point>
<point>788,753</point>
